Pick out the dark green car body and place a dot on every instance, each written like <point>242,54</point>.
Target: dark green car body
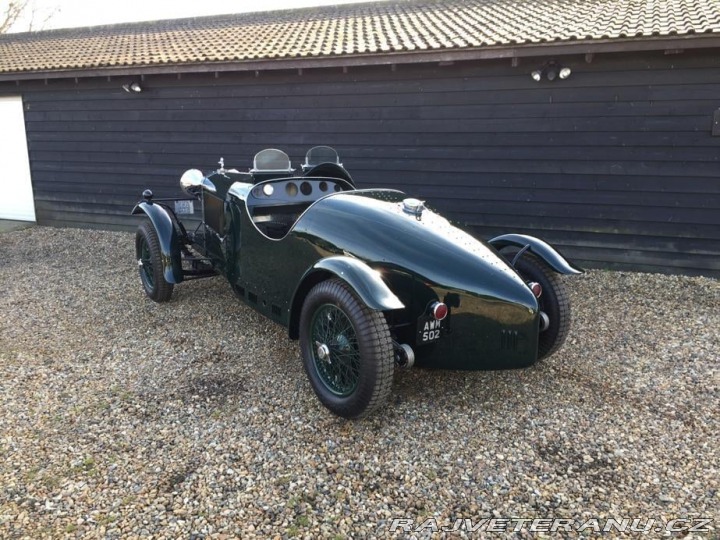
<point>274,248</point>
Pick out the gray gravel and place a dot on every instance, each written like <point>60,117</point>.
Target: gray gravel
<point>120,417</point>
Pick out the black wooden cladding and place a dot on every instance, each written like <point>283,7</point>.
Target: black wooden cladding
<point>617,165</point>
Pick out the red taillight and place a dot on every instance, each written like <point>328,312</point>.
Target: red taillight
<point>439,311</point>
<point>536,288</point>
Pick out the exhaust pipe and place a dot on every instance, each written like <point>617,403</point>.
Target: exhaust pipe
<point>544,321</point>
<point>404,355</point>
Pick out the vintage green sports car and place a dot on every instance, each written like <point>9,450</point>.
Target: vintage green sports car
<point>366,279</point>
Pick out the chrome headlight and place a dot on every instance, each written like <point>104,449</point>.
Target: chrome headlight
<point>191,180</point>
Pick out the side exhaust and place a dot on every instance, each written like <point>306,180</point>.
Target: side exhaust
<point>544,321</point>
<point>404,355</point>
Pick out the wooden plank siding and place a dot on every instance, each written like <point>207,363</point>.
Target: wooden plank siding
<point>616,165</point>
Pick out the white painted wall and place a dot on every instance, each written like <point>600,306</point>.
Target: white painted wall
<point>16,194</point>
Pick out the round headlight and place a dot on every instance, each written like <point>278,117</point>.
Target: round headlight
<point>191,180</point>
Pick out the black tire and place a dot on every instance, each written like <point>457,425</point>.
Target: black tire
<point>149,258</point>
<point>554,301</point>
<point>357,339</point>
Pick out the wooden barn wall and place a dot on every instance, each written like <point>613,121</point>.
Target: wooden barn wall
<point>617,165</point>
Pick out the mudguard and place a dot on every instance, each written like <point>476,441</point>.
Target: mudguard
<point>537,247</point>
<point>365,281</point>
<point>168,238</point>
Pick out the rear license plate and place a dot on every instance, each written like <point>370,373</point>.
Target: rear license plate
<point>184,207</point>
<point>428,330</point>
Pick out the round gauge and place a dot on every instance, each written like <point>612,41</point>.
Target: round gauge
<point>323,186</point>
<point>268,189</point>
<point>337,187</point>
<point>306,188</point>
<point>291,189</point>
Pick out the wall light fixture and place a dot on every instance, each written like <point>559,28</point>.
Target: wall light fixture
<point>551,70</point>
<point>132,87</point>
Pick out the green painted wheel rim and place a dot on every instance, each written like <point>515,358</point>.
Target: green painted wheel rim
<point>146,267</point>
<point>339,371</point>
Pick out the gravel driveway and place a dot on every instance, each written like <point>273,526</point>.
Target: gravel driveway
<point>121,418</point>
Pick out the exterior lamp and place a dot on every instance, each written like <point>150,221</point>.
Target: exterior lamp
<point>132,87</point>
<point>551,71</point>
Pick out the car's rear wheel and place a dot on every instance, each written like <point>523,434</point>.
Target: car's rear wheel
<point>149,260</point>
<point>554,302</point>
<point>347,350</point>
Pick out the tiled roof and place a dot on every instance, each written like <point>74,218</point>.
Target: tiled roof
<point>353,30</point>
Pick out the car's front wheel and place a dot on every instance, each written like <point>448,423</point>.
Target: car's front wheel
<point>554,302</point>
<point>347,350</point>
<point>149,260</point>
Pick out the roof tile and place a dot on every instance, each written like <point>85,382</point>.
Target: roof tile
<point>353,29</point>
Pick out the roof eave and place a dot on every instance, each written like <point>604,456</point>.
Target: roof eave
<point>691,41</point>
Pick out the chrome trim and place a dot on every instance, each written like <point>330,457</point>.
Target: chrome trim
<point>532,285</point>
<point>544,321</point>
<point>191,180</point>
<point>404,355</point>
<point>323,352</point>
<point>434,307</point>
<point>414,207</point>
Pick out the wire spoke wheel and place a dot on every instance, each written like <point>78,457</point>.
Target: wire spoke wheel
<point>339,369</point>
<point>149,262</point>
<point>145,264</point>
<point>347,350</point>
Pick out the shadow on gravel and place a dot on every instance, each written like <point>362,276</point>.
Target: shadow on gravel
<point>216,387</point>
<point>175,477</point>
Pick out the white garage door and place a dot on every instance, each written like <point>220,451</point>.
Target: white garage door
<point>16,195</point>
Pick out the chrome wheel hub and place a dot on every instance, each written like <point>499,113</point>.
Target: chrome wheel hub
<point>323,352</point>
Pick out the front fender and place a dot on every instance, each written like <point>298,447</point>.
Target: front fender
<point>168,238</point>
<point>539,248</point>
<point>365,281</point>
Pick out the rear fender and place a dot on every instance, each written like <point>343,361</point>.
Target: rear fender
<point>365,282</point>
<point>168,238</point>
<point>537,247</point>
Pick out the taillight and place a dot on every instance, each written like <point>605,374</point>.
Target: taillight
<point>536,288</point>
<point>439,310</point>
